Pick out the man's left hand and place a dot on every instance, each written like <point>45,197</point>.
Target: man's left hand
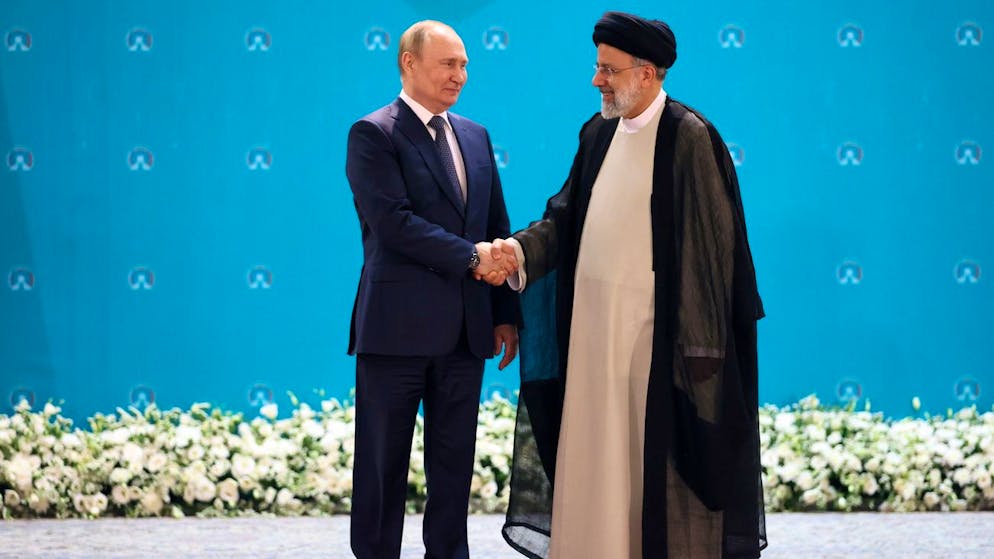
<point>506,337</point>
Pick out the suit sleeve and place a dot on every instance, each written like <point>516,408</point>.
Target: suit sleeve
<point>381,199</point>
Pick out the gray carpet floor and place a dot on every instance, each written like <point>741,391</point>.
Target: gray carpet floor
<point>794,536</point>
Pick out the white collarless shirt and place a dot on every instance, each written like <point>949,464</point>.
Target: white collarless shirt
<point>518,281</point>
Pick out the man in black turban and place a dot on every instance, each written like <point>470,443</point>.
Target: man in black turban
<point>637,433</point>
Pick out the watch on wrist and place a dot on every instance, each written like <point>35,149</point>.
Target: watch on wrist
<point>474,260</point>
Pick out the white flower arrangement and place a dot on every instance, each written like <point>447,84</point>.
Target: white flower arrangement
<point>816,458</point>
<point>209,462</point>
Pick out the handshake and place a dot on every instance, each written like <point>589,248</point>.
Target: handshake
<point>497,261</point>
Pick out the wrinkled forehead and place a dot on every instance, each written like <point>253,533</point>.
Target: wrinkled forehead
<point>611,56</point>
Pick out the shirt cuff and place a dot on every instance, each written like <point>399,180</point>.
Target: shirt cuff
<point>517,281</point>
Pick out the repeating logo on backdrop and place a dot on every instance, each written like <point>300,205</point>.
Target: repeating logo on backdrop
<point>498,389</point>
<point>849,273</point>
<point>731,36</point>
<point>848,390</point>
<point>849,154</point>
<point>21,279</point>
<point>737,154</point>
<point>259,159</point>
<point>501,157</point>
<point>377,38</point>
<point>139,40</point>
<point>260,395</point>
<point>495,38</point>
<point>969,34</point>
<point>260,278</point>
<point>141,397</point>
<point>141,278</point>
<point>19,395</point>
<point>258,40</point>
<point>966,272</point>
<point>968,153</point>
<point>850,35</point>
<point>966,389</point>
<point>20,159</point>
<point>140,159</point>
<point>18,40</point>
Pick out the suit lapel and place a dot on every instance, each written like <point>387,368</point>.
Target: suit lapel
<point>470,147</point>
<point>417,133</point>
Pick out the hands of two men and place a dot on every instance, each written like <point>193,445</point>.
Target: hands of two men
<point>497,261</point>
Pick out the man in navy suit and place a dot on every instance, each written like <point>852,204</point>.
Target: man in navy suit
<point>428,197</point>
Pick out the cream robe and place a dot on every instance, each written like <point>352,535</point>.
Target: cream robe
<point>597,506</point>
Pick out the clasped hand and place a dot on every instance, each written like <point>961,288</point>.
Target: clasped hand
<point>497,261</point>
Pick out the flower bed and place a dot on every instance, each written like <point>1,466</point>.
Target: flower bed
<point>209,462</point>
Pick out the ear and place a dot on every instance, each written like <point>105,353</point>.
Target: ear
<point>407,60</point>
<point>648,73</point>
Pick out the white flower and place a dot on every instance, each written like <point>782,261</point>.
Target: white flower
<point>227,491</point>
<point>11,498</point>
<point>284,497</point>
<point>784,422</point>
<point>489,490</point>
<point>119,495</point>
<point>805,481</point>
<point>132,453</point>
<point>195,452</point>
<point>811,496</point>
<point>312,429</point>
<point>269,411</point>
<point>120,476</point>
<point>151,503</point>
<point>21,469</point>
<point>116,437</point>
<point>305,411</point>
<point>219,468</point>
<point>242,466</point>
<point>199,488</point>
<point>962,476</point>
<point>186,435</point>
<point>38,504</point>
<point>870,486</point>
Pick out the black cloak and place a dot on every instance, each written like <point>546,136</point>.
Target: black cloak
<point>716,452</point>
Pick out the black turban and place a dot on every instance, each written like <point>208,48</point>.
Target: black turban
<point>649,39</point>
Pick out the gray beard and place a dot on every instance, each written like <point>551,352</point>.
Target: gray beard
<point>623,103</point>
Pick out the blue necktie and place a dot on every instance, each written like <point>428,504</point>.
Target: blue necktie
<point>445,153</point>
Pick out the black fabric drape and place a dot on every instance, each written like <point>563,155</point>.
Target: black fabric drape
<point>716,450</point>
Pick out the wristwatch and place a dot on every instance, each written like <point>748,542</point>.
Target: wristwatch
<point>474,260</point>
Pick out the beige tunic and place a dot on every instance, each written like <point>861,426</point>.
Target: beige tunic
<point>597,506</point>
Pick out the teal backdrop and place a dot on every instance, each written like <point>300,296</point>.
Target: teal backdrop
<point>176,225</point>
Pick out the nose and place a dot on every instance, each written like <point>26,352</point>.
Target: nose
<point>599,80</point>
<point>460,76</point>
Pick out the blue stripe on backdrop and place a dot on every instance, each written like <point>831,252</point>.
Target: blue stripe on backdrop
<point>176,224</point>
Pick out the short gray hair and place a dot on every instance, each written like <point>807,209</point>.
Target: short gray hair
<point>660,71</point>
<point>414,39</point>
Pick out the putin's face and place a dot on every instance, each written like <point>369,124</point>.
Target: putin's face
<point>436,76</point>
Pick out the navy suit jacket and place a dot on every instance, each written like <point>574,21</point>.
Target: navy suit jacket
<point>415,291</point>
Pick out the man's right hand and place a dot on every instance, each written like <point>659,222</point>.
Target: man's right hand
<point>497,260</point>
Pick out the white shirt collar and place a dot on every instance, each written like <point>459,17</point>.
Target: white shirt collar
<point>633,125</point>
<point>422,113</point>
